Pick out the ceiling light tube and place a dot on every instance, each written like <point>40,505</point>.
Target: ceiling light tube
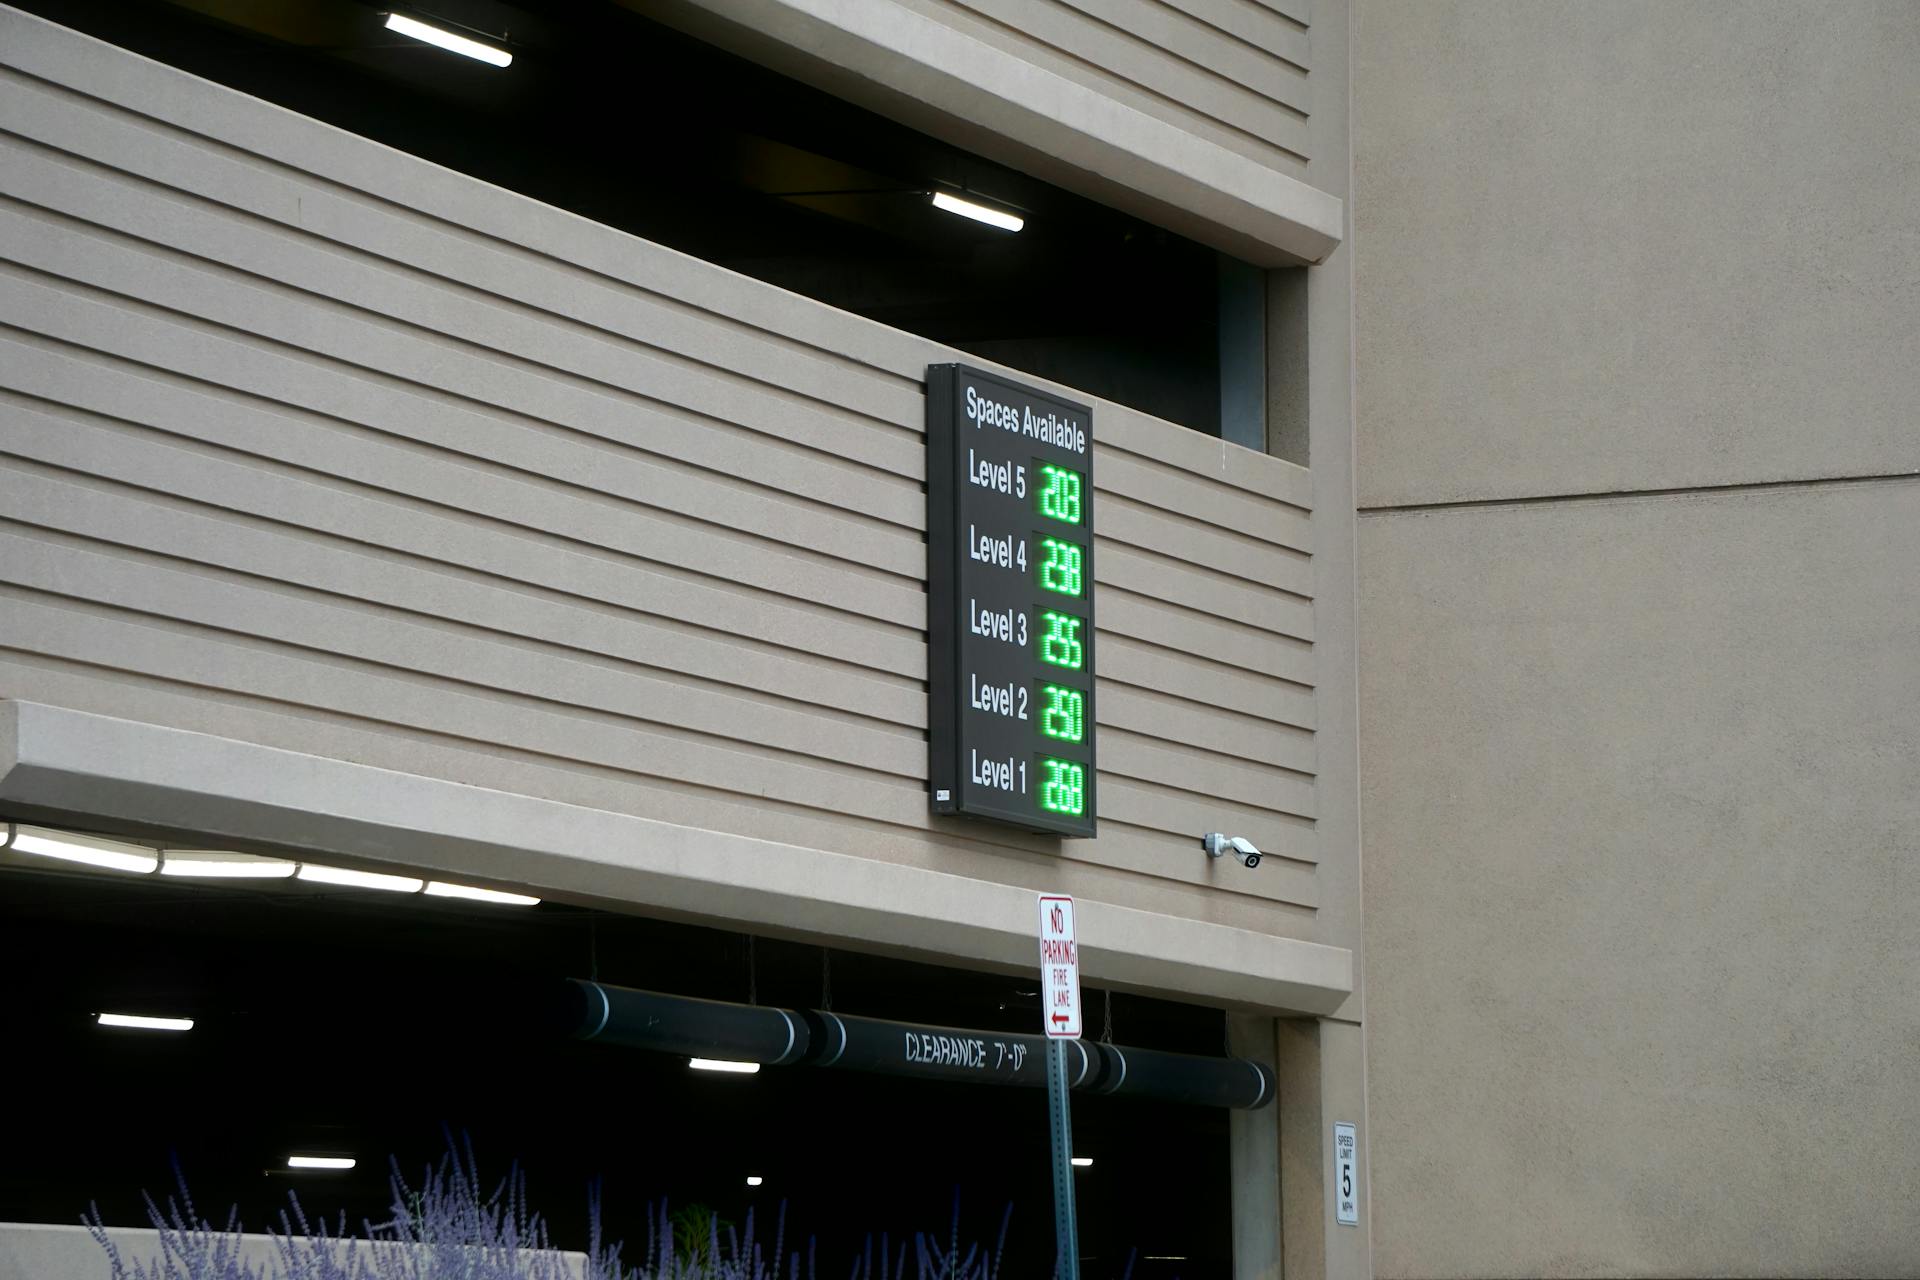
<point>754,1179</point>
<point>214,864</point>
<point>722,1064</point>
<point>316,874</point>
<point>978,212</point>
<point>141,1022</point>
<point>321,1162</point>
<point>418,30</point>
<point>440,889</point>
<point>88,850</point>
<point>1082,1162</point>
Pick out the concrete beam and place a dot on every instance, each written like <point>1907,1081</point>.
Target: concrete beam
<point>934,77</point>
<point>124,775</point>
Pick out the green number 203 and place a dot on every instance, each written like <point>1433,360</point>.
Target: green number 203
<point>1060,493</point>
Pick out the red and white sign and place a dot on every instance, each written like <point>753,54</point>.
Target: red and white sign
<point>1059,968</point>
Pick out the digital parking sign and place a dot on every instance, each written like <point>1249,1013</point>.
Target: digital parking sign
<point>1010,602</point>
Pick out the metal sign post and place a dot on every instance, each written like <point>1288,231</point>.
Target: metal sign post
<point>1066,1231</point>
<point>1060,1015</point>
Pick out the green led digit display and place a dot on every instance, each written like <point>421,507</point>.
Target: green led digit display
<point>1059,493</point>
<point>1060,640</point>
<point>1059,566</point>
<point>1063,713</point>
<point>1063,786</point>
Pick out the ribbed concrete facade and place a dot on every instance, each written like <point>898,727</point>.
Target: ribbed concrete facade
<point>349,503</point>
<point>650,532</point>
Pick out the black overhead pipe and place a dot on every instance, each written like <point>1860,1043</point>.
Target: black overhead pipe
<point>1238,1083</point>
<point>680,1024</point>
<point>778,1037</point>
<point>940,1053</point>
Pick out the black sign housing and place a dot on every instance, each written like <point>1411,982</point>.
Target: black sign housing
<point>1010,602</point>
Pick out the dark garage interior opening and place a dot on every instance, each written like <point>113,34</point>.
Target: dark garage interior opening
<point>345,1021</point>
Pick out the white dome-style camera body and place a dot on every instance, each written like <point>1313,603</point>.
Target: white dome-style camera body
<point>1219,845</point>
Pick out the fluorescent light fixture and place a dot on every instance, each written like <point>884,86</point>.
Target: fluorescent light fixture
<point>754,1179</point>
<point>320,1162</point>
<point>721,1064</point>
<point>140,1022</point>
<point>358,879</point>
<point>89,850</point>
<point>1165,1257</point>
<point>439,889</point>
<point>978,212</point>
<point>1082,1162</point>
<point>447,40</point>
<point>212,864</point>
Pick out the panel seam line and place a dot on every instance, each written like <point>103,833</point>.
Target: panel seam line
<point>1615,495</point>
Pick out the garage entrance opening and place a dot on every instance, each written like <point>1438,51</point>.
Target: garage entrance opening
<point>352,1024</point>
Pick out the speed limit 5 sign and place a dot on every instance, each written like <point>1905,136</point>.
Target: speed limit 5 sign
<point>1346,1176</point>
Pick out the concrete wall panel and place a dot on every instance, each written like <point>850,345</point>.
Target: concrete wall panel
<point>1642,836</point>
<point>1634,245</point>
<point>1642,877</point>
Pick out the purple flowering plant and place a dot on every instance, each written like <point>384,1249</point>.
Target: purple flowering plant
<point>450,1227</point>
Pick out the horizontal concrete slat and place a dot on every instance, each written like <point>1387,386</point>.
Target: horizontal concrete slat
<point>135,455</point>
<point>1261,27</point>
<point>1174,537</point>
<point>1273,65</point>
<point>1169,719</point>
<point>1129,662</point>
<point>1168,489</point>
<point>453,458</point>
<point>1181,87</point>
<point>1208,594</point>
<point>1187,817</point>
<point>133,524</point>
<point>1129,755</point>
<point>1297,11</point>
<point>1217,640</point>
<point>436,538</point>
<point>491,664</point>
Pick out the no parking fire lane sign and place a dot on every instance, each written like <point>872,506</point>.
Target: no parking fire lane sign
<point>1059,968</point>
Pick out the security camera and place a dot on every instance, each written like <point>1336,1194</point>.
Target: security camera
<point>1218,846</point>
